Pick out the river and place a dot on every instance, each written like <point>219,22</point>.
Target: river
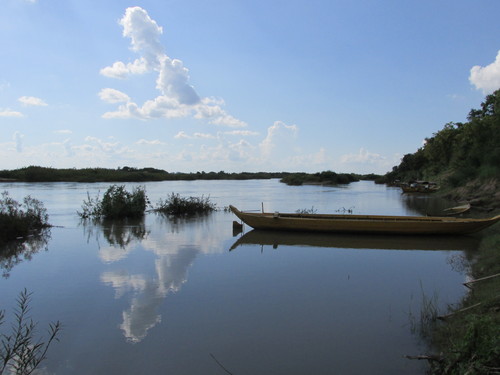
<point>189,296</point>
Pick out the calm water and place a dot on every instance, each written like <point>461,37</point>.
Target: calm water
<point>162,296</point>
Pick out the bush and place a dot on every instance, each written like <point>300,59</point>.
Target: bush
<point>18,220</point>
<point>116,203</point>
<point>177,206</point>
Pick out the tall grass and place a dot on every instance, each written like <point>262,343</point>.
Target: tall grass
<point>20,352</point>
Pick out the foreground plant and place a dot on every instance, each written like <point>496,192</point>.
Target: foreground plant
<point>176,205</point>
<point>116,203</point>
<point>20,352</point>
<point>19,219</point>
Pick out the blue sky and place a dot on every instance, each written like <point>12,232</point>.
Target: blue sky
<point>233,85</point>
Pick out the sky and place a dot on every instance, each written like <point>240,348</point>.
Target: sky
<point>232,85</point>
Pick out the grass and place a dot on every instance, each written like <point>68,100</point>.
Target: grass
<point>176,205</point>
<point>469,338</point>
<point>20,352</point>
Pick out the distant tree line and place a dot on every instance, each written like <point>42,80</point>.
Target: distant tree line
<point>129,174</point>
<point>124,174</point>
<point>324,178</point>
<point>459,152</point>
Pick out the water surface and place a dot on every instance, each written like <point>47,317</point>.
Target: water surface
<point>187,297</point>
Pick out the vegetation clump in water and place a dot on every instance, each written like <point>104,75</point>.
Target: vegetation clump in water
<point>116,203</point>
<point>20,219</point>
<point>176,205</point>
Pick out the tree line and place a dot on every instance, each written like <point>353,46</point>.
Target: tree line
<point>458,153</point>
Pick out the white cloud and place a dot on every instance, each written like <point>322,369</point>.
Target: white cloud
<point>178,97</point>
<point>9,113</point>
<point>182,135</point>
<point>243,133</point>
<point>204,136</point>
<point>18,139</point>
<point>486,78</point>
<point>155,142</point>
<point>31,101</point>
<point>121,70</point>
<point>363,156</point>
<point>113,96</point>
<point>279,137</point>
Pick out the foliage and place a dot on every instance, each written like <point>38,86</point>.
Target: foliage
<point>116,203</point>
<point>125,174</point>
<point>18,220</point>
<point>460,151</point>
<point>20,352</point>
<point>324,178</point>
<point>179,206</point>
<point>469,340</point>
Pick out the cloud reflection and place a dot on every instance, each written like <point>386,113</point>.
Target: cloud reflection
<point>176,244</point>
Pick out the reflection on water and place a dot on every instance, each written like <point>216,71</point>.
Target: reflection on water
<point>120,235</point>
<point>159,295</point>
<point>14,252</point>
<point>349,241</point>
<point>171,243</point>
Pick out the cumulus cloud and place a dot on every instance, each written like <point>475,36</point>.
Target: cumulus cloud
<point>113,96</point>
<point>486,78</point>
<point>31,101</point>
<point>10,113</point>
<point>279,136</point>
<point>177,98</point>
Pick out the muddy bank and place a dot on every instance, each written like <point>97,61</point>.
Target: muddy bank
<point>482,195</point>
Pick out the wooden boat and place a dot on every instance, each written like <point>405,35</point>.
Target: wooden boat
<point>363,223</point>
<point>419,187</point>
<point>457,210</point>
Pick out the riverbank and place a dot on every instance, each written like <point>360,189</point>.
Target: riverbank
<point>468,337</point>
<point>483,195</point>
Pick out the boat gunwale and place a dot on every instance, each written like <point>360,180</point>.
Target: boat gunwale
<point>362,217</point>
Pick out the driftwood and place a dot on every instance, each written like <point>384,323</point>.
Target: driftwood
<point>480,279</point>
<point>444,317</point>
<point>428,357</point>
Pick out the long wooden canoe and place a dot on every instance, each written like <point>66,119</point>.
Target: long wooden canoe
<point>363,223</point>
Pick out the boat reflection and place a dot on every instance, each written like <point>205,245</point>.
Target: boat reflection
<point>349,241</point>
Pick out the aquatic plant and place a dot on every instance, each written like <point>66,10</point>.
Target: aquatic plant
<point>184,206</point>
<point>20,352</point>
<point>19,219</point>
<point>305,211</point>
<point>117,202</point>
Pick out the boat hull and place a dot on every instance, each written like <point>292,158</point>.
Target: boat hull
<point>363,223</point>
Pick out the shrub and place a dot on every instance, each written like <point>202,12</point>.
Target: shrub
<point>178,206</point>
<point>18,220</point>
<point>116,203</point>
